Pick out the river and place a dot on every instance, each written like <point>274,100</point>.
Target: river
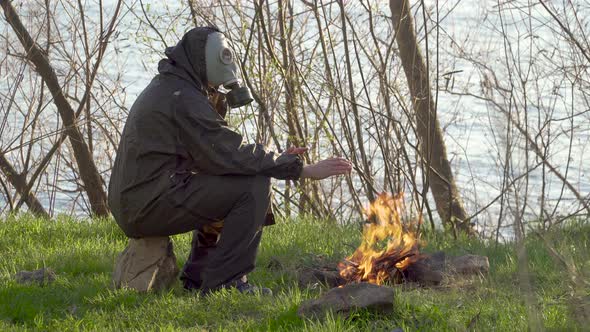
<point>470,31</point>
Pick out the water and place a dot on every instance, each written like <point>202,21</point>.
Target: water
<point>477,139</point>
<point>475,131</point>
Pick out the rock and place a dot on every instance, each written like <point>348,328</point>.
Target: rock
<point>428,270</point>
<point>423,274</point>
<point>312,276</point>
<point>43,276</point>
<point>437,261</point>
<point>432,269</point>
<point>146,264</point>
<point>470,264</point>
<point>343,300</point>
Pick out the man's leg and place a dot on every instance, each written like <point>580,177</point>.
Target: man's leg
<point>241,202</point>
<point>236,250</point>
<point>204,241</point>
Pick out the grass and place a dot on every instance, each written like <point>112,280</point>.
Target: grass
<point>83,253</point>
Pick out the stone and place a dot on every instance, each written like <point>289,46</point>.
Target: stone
<point>470,264</point>
<point>346,299</point>
<point>432,269</point>
<point>428,270</point>
<point>437,260</point>
<point>308,276</point>
<point>423,274</point>
<point>146,264</point>
<point>42,277</point>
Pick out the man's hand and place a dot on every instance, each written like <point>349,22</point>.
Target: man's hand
<point>326,168</point>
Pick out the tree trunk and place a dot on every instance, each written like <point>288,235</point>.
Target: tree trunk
<point>432,147</point>
<point>20,184</point>
<point>93,184</point>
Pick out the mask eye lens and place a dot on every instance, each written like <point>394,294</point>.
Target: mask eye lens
<point>226,56</point>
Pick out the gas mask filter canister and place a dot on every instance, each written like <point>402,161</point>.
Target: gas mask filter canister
<point>222,70</point>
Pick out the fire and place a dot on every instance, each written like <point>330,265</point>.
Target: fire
<point>387,247</point>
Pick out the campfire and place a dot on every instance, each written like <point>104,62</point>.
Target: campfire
<point>388,245</point>
<point>388,253</point>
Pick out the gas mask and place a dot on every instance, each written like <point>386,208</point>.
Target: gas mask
<point>222,70</point>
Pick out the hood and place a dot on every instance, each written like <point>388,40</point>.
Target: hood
<point>187,58</point>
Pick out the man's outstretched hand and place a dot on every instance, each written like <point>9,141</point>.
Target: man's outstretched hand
<point>321,169</point>
<point>326,168</point>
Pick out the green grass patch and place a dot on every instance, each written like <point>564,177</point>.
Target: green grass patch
<point>83,252</point>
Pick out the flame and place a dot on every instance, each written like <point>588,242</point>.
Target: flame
<point>387,247</point>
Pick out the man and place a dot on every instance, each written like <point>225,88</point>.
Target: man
<point>180,168</point>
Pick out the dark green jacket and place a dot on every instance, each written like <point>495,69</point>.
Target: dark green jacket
<point>173,129</point>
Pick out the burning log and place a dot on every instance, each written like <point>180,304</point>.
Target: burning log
<point>376,265</point>
<point>383,268</point>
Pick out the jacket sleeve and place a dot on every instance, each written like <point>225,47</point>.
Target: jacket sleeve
<point>218,150</point>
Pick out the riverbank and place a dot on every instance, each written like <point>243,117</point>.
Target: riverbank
<point>82,253</point>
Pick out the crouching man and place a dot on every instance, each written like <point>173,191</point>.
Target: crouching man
<point>179,167</point>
